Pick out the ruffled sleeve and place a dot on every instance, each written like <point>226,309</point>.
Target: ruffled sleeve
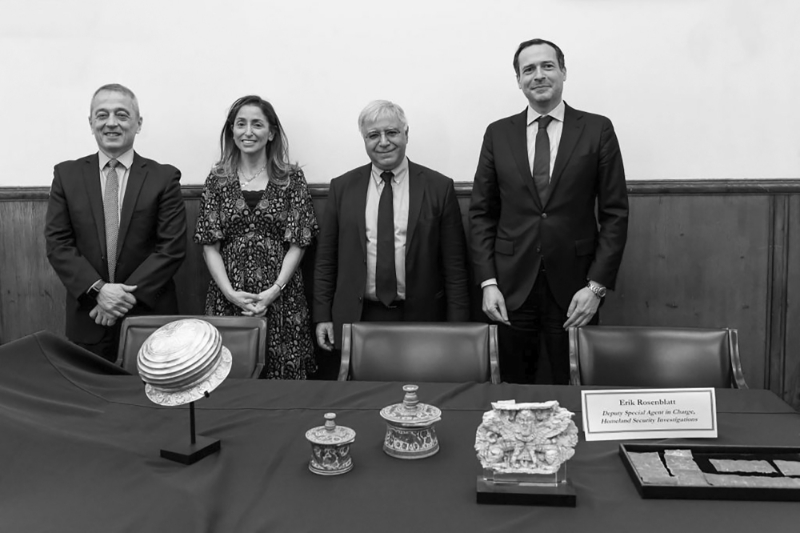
<point>301,223</point>
<point>209,228</point>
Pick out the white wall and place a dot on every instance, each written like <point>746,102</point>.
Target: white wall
<point>695,88</point>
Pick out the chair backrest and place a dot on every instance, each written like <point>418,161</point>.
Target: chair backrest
<point>419,351</point>
<point>652,357</point>
<point>244,336</point>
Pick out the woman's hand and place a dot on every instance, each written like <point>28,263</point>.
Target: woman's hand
<point>246,301</point>
<point>265,299</point>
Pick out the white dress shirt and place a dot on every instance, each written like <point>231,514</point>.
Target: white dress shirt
<point>400,208</point>
<point>553,132</point>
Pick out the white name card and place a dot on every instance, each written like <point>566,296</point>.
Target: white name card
<point>649,414</point>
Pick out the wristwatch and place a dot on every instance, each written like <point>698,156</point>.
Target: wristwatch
<point>597,289</point>
<point>94,290</point>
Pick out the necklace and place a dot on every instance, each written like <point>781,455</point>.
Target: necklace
<point>251,178</point>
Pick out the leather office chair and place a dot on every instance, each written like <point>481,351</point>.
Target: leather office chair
<point>244,336</point>
<point>420,351</point>
<point>652,357</point>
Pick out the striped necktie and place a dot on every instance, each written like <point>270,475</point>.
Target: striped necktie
<point>111,209</point>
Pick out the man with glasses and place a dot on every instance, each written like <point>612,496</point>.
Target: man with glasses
<point>391,246</point>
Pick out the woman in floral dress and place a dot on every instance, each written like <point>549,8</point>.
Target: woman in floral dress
<point>255,220</point>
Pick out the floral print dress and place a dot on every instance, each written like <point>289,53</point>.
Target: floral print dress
<point>253,243</point>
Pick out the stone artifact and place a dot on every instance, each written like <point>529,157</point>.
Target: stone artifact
<point>742,465</point>
<point>732,480</point>
<point>526,438</point>
<point>330,448</point>
<point>183,361</point>
<point>651,469</point>
<point>788,468</point>
<point>410,432</point>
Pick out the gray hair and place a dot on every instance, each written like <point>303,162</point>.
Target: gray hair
<point>378,109</point>
<point>117,88</point>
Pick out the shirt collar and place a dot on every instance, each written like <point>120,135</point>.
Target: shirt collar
<point>557,113</point>
<point>125,159</point>
<point>400,172</point>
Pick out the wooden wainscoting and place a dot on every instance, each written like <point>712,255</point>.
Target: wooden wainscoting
<point>699,253</point>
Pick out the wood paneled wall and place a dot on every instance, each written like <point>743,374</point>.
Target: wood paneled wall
<point>699,253</point>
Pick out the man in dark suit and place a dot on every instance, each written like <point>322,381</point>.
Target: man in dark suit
<point>115,229</point>
<point>549,218</point>
<point>392,245</point>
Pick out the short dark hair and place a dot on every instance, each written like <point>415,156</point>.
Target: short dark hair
<point>117,88</point>
<point>533,42</point>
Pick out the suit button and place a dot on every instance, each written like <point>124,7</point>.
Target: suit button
<point>538,249</point>
<point>544,215</point>
<point>360,298</point>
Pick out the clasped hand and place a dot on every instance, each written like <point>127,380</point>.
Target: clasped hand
<point>256,304</point>
<point>113,302</point>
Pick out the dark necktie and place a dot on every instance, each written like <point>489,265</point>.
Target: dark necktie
<point>111,210</point>
<point>385,274</point>
<point>541,159</point>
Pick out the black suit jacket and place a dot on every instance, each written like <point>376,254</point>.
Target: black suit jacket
<point>512,232</point>
<point>436,270</point>
<point>150,247</point>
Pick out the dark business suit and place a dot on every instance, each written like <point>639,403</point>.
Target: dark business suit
<point>436,270</point>
<point>151,243</point>
<point>513,233</point>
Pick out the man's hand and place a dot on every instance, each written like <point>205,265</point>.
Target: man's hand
<point>325,336</point>
<point>101,317</point>
<point>494,305</point>
<point>116,299</point>
<point>582,308</point>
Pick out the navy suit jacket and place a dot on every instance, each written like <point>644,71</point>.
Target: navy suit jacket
<point>437,283</point>
<point>150,248</point>
<point>580,231</point>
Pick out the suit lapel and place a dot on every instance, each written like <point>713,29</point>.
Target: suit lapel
<point>519,147</point>
<point>416,189</point>
<point>136,178</point>
<point>360,204</point>
<point>570,133</point>
<point>91,181</point>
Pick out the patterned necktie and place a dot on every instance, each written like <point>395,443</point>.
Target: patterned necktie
<point>385,273</point>
<point>111,209</point>
<point>541,159</point>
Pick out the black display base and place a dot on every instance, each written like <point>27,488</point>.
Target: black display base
<point>187,453</point>
<point>561,495</point>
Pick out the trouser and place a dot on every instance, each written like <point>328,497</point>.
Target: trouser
<point>539,318</point>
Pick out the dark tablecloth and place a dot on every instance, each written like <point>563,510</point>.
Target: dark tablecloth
<point>80,442</point>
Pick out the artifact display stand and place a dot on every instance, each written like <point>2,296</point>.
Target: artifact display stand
<point>180,363</point>
<point>523,449</point>
<point>713,472</point>
<point>197,448</point>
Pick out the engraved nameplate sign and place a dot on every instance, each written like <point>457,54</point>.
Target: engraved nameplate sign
<point>649,414</point>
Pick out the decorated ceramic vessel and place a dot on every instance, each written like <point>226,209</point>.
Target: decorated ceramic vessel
<point>410,432</point>
<point>330,448</point>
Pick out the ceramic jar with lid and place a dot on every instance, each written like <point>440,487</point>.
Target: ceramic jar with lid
<point>410,432</point>
<point>330,448</point>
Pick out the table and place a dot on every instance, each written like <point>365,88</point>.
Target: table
<point>80,445</point>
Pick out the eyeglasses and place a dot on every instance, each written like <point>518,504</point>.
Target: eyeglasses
<point>376,136</point>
